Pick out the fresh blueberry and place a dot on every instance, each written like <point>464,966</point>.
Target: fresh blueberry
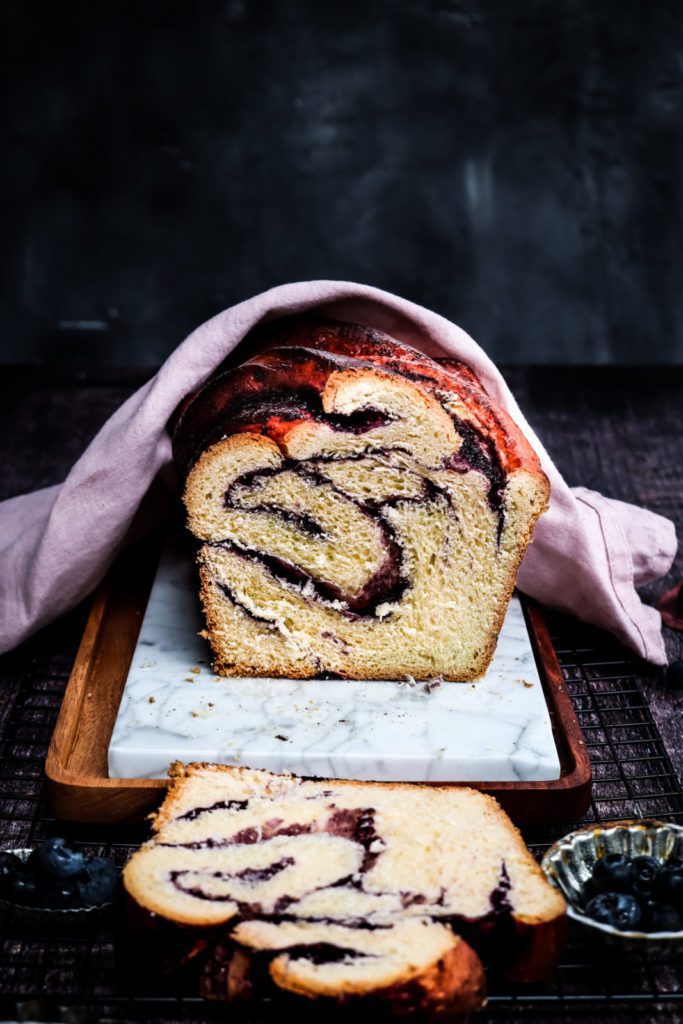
<point>60,893</point>
<point>644,874</point>
<point>662,917</point>
<point>98,882</point>
<point>10,865</point>
<point>669,887</point>
<point>612,873</point>
<point>25,888</point>
<point>617,909</point>
<point>56,858</point>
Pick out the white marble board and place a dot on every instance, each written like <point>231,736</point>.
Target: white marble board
<point>174,708</point>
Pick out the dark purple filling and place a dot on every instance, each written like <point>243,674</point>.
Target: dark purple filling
<point>353,923</point>
<point>195,890</point>
<point>220,805</point>
<point>412,899</point>
<point>358,825</point>
<point>476,452</point>
<point>341,644</point>
<point>323,953</point>
<point>246,836</point>
<point>499,898</point>
<point>493,937</point>
<point>289,405</point>
<point>387,584</point>
<point>252,876</point>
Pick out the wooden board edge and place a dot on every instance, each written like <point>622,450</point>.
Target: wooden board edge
<point>65,728</point>
<point>99,799</point>
<point>560,704</point>
<point>76,796</point>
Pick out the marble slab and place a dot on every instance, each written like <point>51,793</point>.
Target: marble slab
<point>174,708</point>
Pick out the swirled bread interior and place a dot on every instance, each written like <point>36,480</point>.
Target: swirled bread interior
<point>348,888</point>
<point>362,510</point>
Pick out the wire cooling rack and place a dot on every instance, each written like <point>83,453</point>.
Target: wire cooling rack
<point>633,777</point>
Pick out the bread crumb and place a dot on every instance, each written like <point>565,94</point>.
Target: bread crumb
<point>152,700</point>
<point>432,684</point>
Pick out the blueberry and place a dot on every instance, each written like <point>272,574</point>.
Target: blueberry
<point>98,882</point>
<point>662,917</point>
<point>10,865</point>
<point>644,873</point>
<point>612,873</point>
<point>616,909</point>
<point>55,858</point>
<point>25,888</point>
<point>669,886</point>
<point>60,893</point>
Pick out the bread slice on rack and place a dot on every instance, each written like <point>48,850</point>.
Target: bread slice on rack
<point>343,889</point>
<point>362,510</point>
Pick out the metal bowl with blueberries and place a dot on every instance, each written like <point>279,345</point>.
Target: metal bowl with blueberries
<point>624,881</point>
<point>55,882</point>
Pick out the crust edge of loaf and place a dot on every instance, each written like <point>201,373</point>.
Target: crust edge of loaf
<point>455,984</point>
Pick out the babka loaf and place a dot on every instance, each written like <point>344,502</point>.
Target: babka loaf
<point>329,888</point>
<point>362,509</point>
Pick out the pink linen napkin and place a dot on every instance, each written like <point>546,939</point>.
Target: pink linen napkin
<point>588,555</point>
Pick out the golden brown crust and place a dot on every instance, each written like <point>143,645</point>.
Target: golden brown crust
<point>444,374</point>
<point>358,346</point>
<point>538,948</point>
<point>454,985</point>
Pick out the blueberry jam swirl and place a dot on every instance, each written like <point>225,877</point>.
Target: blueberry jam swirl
<point>350,503</point>
<point>247,890</point>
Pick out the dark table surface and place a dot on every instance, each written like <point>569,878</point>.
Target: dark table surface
<point>615,430</point>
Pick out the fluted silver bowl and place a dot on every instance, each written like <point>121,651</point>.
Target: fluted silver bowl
<point>569,863</point>
<point>62,916</point>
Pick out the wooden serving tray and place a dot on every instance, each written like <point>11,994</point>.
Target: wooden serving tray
<point>79,788</point>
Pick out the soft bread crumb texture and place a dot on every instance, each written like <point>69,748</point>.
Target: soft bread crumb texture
<point>376,872</point>
<point>301,536</point>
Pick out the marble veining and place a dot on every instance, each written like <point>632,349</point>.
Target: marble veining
<point>175,708</point>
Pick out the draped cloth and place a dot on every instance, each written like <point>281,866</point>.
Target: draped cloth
<point>588,555</point>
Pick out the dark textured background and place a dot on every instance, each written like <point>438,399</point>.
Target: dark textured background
<point>516,165</point>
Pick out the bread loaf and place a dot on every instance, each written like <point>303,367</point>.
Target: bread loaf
<point>361,509</point>
<point>343,890</point>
